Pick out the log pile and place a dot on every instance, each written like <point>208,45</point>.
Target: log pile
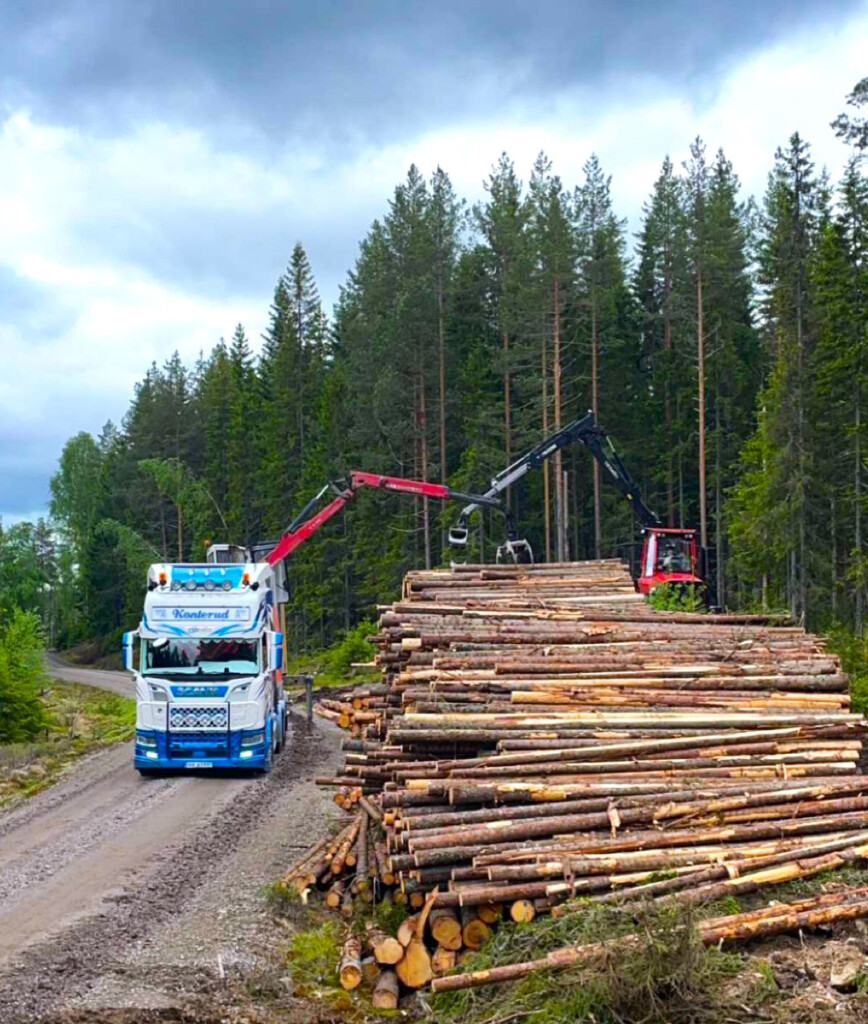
<point>542,733</point>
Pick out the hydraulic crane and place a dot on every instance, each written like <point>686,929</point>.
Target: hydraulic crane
<point>307,522</point>
<point>669,555</point>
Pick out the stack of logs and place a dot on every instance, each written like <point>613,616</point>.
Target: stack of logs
<point>541,733</point>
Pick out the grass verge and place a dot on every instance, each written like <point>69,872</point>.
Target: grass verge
<point>81,719</point>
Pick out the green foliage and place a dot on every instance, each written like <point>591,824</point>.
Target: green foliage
<point>21,676</point>
<point>313,957</point>
<point>675,597</point>
<point>354,647</point>
<point>389,915</point>
<point>334,665</point>
<point>854,130</point>
<point>665,976</point>
<point>853,651</point>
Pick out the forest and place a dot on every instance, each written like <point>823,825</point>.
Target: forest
<point>724,347</point>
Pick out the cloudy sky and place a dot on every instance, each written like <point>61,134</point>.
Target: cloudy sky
<point>159,158</point>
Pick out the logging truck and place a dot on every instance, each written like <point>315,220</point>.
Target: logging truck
<point>207,661</point>
<point>207,657</point>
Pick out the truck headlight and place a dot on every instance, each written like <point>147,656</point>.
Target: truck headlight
<point>145,740</point>
<point>158,693</point>
<point>253,739</point>
<point>240,692</point>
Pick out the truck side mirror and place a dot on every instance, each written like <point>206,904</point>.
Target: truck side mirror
<point>127,650</point>
<point>275,651</point>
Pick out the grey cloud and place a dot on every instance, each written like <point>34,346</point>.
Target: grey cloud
<point>336,69</point>
<point>32,307</point>
<point>25,470</point>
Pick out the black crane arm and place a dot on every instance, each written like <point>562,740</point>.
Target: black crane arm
<point>596,440</point>
<point>599,444</point>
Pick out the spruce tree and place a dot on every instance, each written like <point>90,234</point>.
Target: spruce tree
<point>840,368</point>
<point>503,222</point>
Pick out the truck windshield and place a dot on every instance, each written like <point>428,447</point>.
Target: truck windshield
<point>185,657</point>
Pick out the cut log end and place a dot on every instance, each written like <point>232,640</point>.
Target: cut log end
<point>415,970</point>
<point>385,996</point>
<point>522,911</point>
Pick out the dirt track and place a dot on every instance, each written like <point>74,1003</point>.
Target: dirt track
<point>122,892</point>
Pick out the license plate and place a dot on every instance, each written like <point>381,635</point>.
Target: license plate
<point>198,764</point>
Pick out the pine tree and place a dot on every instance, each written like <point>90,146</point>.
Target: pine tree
<point>445,213</point>
<point>605,301</point>
<point>663,291</point>
<point>555,257</point>
<point>854,130</point>
<point>697,235</point>
<point>734,358</point>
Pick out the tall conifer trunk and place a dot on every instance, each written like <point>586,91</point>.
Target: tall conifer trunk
<point>833,533</point>
<point>547,520</point>
<point>718,493</point>
<point>857,523</point>
<point>560,518</point>
<point>423,452</point>
<point>441,351</point>
<point>667,398</point>
<point>700,338</point>
<point>595,406</point>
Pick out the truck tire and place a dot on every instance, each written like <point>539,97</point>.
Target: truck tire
<point>281,726</point>
<point>277,746</point>
<point>269,753</point>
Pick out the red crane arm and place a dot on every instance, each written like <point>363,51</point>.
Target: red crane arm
<point>301,528</point>
<point>400,484</point>
<point>292,538</point>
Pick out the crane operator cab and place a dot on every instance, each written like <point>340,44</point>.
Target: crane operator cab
<point>669,556</point>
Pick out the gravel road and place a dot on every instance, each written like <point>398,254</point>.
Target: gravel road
<point>116,682</point>
<point>127,895</point>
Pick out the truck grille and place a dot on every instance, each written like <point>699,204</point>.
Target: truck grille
<point>188,746</point>
<point>182,717</point>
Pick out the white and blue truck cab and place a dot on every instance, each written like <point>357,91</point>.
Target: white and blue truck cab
<point>207,661</point>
